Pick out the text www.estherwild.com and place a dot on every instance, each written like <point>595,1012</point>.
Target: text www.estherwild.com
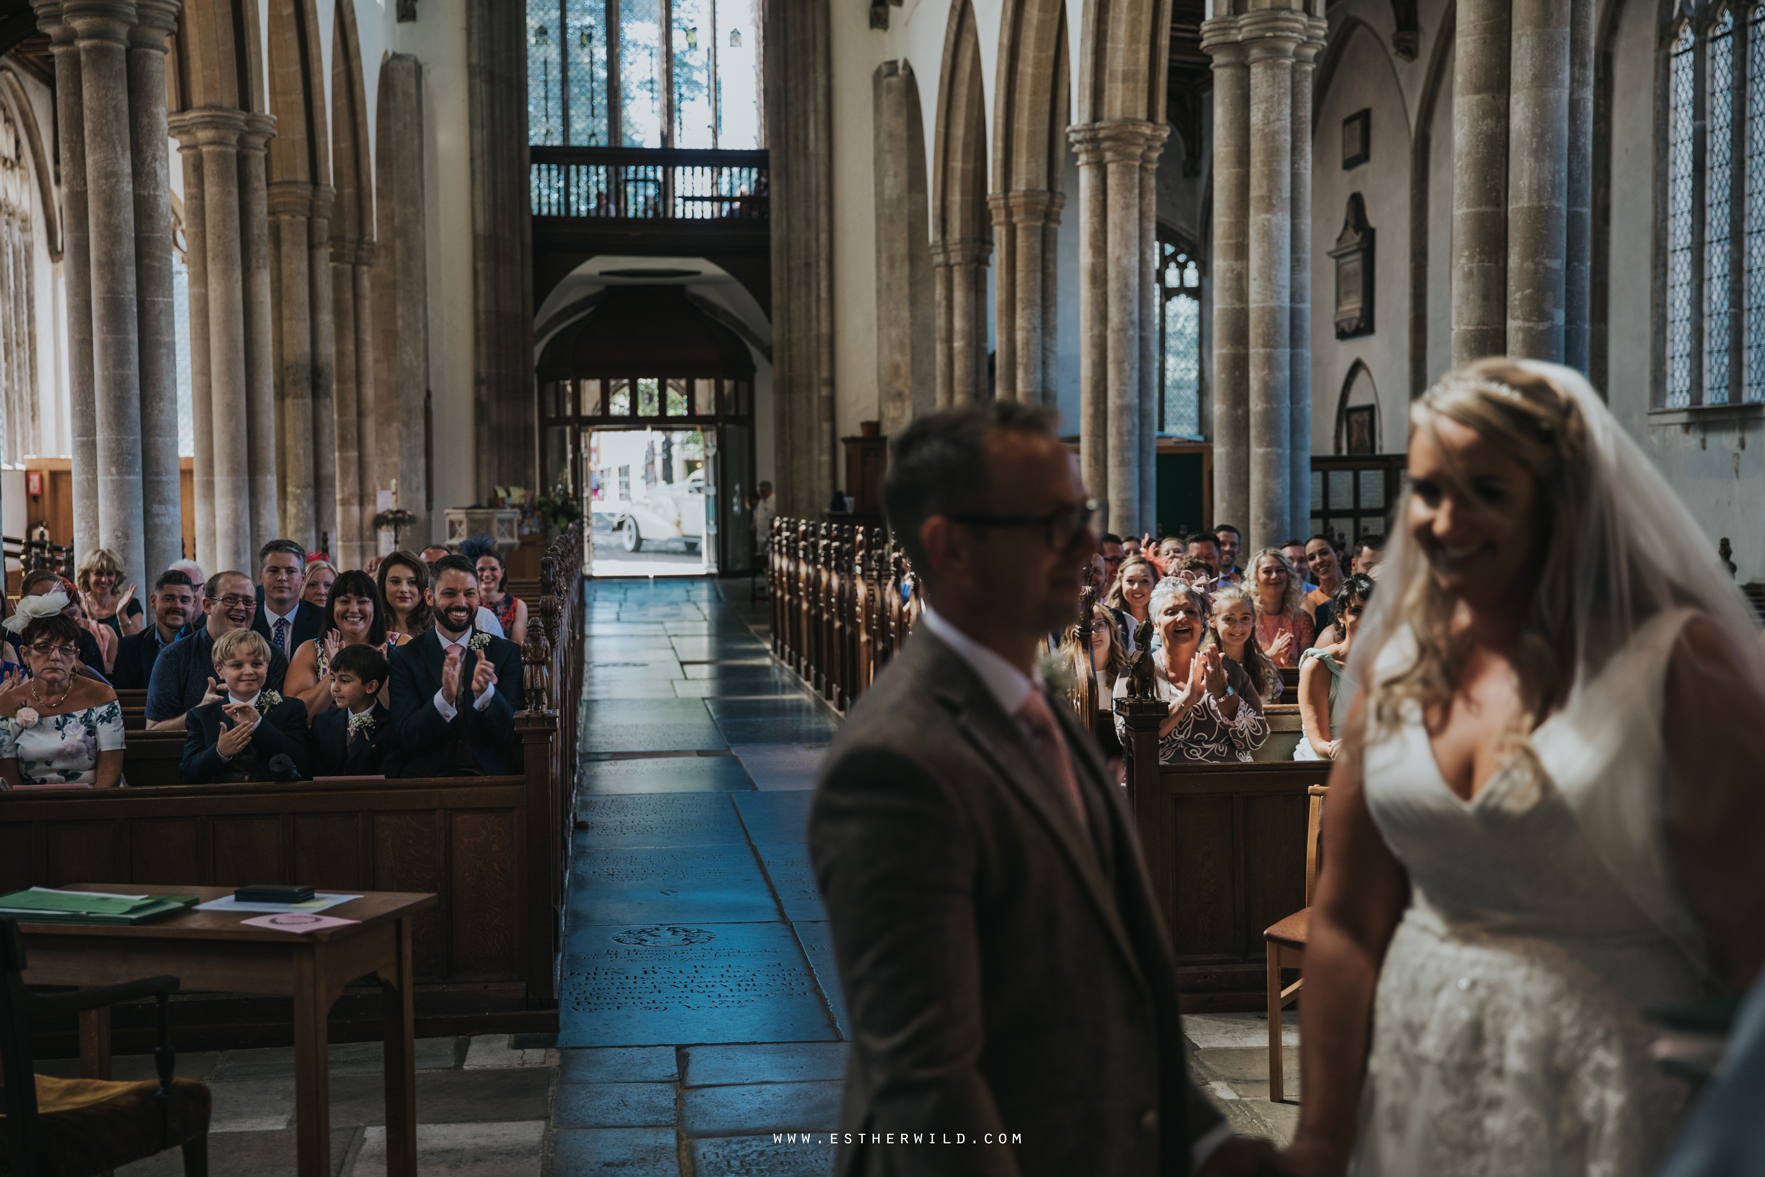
<point>837,1138</point>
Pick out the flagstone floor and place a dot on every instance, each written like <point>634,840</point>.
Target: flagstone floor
<point>701,1016</point>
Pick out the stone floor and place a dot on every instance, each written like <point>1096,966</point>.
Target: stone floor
<point>701,1017</point>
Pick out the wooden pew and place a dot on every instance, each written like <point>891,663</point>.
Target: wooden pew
<point>1225,846</point>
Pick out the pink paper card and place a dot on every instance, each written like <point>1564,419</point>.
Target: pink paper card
<point>297,922</point>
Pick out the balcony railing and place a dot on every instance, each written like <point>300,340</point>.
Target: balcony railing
<point>649,184</point>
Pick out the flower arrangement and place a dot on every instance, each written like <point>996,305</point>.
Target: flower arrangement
<point>478,642</point>
<point>26,717</point>
<point>558,510</point>
<point>267,700</point>
<point>362,723</point>
<point>397,519</point>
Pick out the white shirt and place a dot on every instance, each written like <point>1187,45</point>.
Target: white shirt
<point>271,617</point>
<point>487,623</point>
<point>448,710</point>
<point>1010,687</point>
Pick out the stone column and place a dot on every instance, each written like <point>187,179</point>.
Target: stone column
<point>1151,369</point>
<point>1299,342</point>
<point>201,405</point>
<point>1051,301</point>
<point>76,271</point>
<point>1022,221</point>
<point>400,283</point>
<point>260,356</point>
<point>218,133</point>
<point>1093,316</point>
<point>1538,180</point>
<point>324,419</point>
<point>290,204</point>
<point>943,329</point>
<point>1124,146</point>
<point>366,396</point>
<point>101,30</point>
<point>967,267</point>
<point>1480,180</point>
<point>1230,258</point>
<point>1270,37</point>
<point>161,490</point>
<point>1005,299</point>
<point>1578,250</point>
<point>345,423</point>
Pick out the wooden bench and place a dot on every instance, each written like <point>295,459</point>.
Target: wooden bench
<point>1225,846</point>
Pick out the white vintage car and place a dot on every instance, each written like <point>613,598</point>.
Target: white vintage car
<point>668,511</point>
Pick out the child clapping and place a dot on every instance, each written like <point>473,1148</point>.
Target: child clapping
<point>235,738</point>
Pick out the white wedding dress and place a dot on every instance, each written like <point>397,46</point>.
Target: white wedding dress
<point>1507,1035</point>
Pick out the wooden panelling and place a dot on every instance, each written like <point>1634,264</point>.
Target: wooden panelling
<point>164,851</point>
<point>407,857</point>
<point>1202,838</point>
<point>17,866</point>
<point>1274,876</point>
<point>485,867</point>
<point>81,852</point>
<point>328,851</point>
<point>248,850</point>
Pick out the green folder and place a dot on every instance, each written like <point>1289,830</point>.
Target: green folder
<point>76,907</point>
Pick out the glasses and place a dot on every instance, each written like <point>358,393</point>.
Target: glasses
<point>235,602</point>
<point>53,650</point>
<point>1060,527</point>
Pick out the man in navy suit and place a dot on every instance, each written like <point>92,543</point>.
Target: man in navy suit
<point>175,601</point>
<point>283,618</point>
<point>356,736</point>
<point>454,689</point>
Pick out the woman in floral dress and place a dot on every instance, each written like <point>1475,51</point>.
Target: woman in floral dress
<point>58,729</point>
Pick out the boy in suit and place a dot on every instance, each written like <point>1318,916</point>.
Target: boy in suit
<point>455,691</point>
<point>356,737</point>
<point>235,737</point>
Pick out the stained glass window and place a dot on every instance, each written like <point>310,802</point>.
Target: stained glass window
<point>545,106</point>
<point>1718,174</point>
<point>1179,281</point>
<point>586,81</point>
<point>1679,197</point>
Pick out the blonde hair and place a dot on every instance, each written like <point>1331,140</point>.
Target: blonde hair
<point>1292,599</point>
<point>1543,429</point>
<point>97,560</point>
<point>229,644</point>
<point>1258,665</point>
<point>1114,599</point>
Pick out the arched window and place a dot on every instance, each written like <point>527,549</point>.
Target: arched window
<point>1716,208</point>
<point>1179,335</point>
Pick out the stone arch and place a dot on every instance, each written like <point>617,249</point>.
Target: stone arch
<point>905,285</point>
<point>1124,50</point>
<point>1600,253</point>
<point>355,421</point>
<point>216,57</point>
<point>20,156</point>
<point>44,175</point>
<point>1029,135</point>
<point>1358,386</point>
<point>1434,84</point>
<point>300,151</point>
<point>960,224</point>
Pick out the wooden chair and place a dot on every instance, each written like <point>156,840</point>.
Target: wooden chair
<point>1285,941</point>
<point>80,1127</point>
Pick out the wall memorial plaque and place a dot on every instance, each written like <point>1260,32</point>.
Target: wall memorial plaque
<point>1354,272</point>
<point>1357,139</point>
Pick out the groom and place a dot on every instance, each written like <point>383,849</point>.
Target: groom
<point>1010,982</point>
<point>455,691</point>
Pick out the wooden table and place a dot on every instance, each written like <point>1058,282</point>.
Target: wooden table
<point>214,951</point>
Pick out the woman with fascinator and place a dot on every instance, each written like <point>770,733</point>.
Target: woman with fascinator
<point>1545,815</point>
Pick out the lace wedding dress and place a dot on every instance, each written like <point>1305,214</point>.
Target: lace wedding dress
<point>1508,1036</point>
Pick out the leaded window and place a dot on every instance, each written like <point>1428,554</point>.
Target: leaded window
<point>1682,95</point>
<point>1179,324</point>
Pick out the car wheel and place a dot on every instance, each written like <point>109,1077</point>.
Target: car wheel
<point>632,539</point>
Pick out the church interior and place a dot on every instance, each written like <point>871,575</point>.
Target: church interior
<point>502,276</point>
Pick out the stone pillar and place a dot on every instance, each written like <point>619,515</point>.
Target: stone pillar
<point>201,404</point>
<point>1151,370</point>
<point>1230,258</point>
<point>400,283</point>
<point>260,356</point>
<point>1299,341</point>
<point>345,422</point>
<point>1124,146</point>
<point>1270,37</point>
<point>1480,179</point>
<point>961,268</point>
<point>290,205</point>
<point>1051,301</point>
<point>217,134</point>
<point>76,270</point>
<point>1093,316</point>
<point>324,418</point>
<point>367,420</point>
<point>101,30</point>
<point>905,296</point>
<point>1578,250</point>
<point>1024,300</point>
<point>1538,180</point>
<point>1005,299</point>
<point>161,489</point>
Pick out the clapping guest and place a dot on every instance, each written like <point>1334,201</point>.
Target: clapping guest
<point>175,601</point>
<point>1233,630</point>
<point>235,737</point>
<point>319,575</point>
<point>1170,552</point>
<point>356,735</point>
<point>58,728</point>
<point>1283,628</point>
<point>98,577</point>
<point>184,674</point>
<point>283,618</point>
<point>352,617</point>
<point>1130,598</point>
<point>509,610</point>
<point>403,580</point>
<point>1325,690</point>
<point>1214,714</point>
<point>1325,563</point>
<point>485,621</point>
<point>454,690</point>
<point>97,643</point>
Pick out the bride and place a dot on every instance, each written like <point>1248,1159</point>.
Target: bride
<point>1546,817</point>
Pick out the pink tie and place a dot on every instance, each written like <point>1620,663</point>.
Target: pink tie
<point>1045,733</point>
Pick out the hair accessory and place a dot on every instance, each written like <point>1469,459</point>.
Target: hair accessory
<point>31,608</point>
<point>1477,384</point>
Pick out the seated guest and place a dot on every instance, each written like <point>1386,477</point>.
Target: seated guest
<point>1326,572</point>
<point>1231,543</point>
<point>1130,597</point>
<point>1170,553</point>
<point>403,581</point>
<point>1213,712</point>
<point>282,617</point>
<point>53,594</point>
<point>174,603</point>
<point>1283,628</point>
<point>1294,550</point>
<point>455,691</point>
<point>189,568</point>
<point>1368,551</point>
<point>99,576</point>
<point>355,736</point>
<point>319,575</point>
<point>509,610</point>
<point>1325,691</point>
<point>235,737</point>
<point>1102,664</point>
<point>352,617</point>
<point>1233,630</point>
<point>184,673</point>
<point>487,621</point>
<point>1204,546</point>
<point>58,728</point>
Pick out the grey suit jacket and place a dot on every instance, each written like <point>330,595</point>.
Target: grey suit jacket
<point>1004,971</point>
